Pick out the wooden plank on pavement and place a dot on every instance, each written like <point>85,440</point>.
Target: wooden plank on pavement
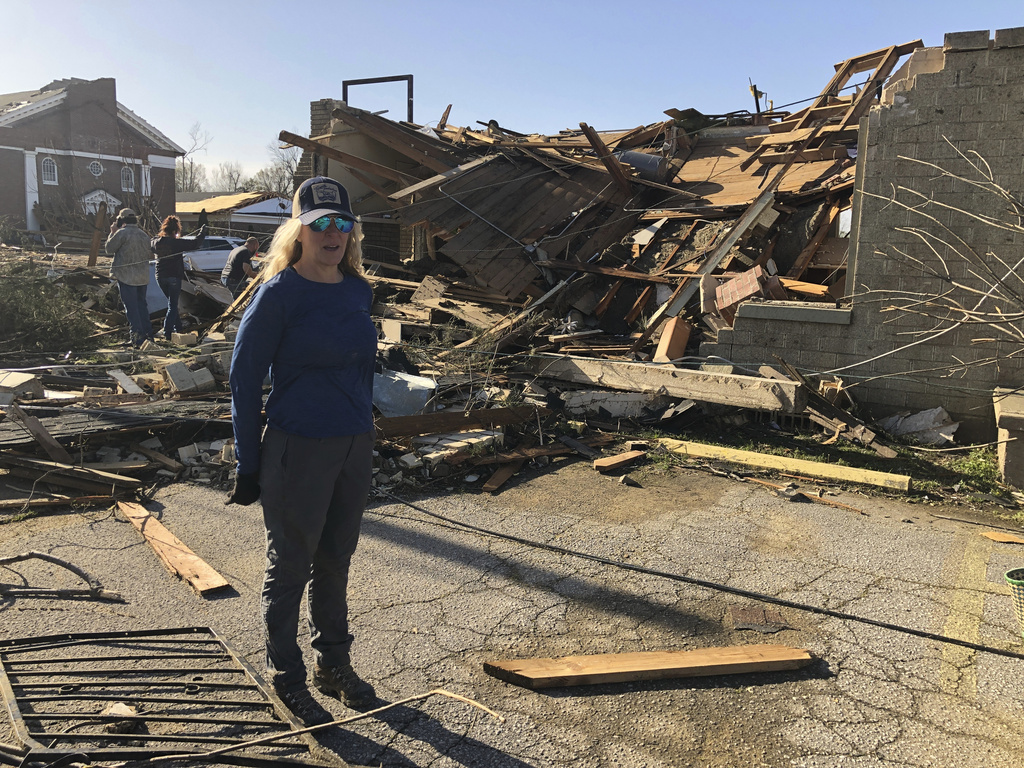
<point>811,468</point>
<point>502,475</point>
<point>178,558</point>
<point>1003,538</point>
<point>649,665</point>
<point>612,463</point>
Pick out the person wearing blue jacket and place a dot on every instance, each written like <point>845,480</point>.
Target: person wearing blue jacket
<point>309,325</point>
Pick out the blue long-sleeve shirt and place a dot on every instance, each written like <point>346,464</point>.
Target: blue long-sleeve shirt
<point>319,344</point>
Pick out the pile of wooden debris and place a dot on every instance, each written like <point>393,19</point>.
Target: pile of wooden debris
<point>564,285</point>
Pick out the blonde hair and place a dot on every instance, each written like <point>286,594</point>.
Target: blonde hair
<point>285,249</point>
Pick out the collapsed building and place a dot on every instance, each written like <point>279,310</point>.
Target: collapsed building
<point>873,235</point>
<point>862,251</point>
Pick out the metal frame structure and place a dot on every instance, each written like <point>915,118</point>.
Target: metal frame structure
<point>372,80</point>
<point>190,691</point>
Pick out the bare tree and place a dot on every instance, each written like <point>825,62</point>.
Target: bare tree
<point>278,178</point>
<point>190,176</point>
<point>274,180</point>
<point>286,159</point>
<point>228,177</point>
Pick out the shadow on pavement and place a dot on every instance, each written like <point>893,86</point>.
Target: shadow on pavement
<point>410,724</point>
<point>577,588</point>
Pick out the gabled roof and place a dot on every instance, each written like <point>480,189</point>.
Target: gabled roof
<point>147,130</point>
<point>17,106</point>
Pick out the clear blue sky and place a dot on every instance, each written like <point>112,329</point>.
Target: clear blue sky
<point>247,70</point>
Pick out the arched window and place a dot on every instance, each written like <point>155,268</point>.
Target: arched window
<point>49,168</point>
<point>127,179</point>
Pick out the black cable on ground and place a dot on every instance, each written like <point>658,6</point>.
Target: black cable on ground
<point>714,586</point>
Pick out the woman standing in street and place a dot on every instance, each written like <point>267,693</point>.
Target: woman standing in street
<point>170,267</point>
<point>309,325</point>
<point>130,248</point>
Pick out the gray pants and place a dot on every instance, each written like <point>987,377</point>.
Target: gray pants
<point>313,494</point>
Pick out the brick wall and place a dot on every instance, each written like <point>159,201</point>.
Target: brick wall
<point>85,122</point>
<point>974,103</point>
<point>319,123</point>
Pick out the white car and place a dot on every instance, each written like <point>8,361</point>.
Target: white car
<point>210,258</point>
<point>213,255</point>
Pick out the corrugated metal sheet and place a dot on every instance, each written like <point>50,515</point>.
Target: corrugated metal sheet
<point>223,203</point>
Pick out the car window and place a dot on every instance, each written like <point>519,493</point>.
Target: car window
<point>215,244</point>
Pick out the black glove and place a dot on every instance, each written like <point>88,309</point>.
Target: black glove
<point>246,491</point>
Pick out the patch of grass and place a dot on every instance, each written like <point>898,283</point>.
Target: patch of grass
<point>11,235</point>
<point>39,314</point>
<point>979,469</point>
<point>953,476</point>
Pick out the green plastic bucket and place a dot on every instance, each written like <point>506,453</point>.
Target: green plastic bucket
<point>1015,579</point>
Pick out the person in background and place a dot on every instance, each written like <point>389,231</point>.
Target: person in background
<point>130,247</point>
<point>239,266</point>
<point>308,324</point>
<point>170,266</point>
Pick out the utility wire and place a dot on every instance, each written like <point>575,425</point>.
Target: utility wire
<point>712,585</point>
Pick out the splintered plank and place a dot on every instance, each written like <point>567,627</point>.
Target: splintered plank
<point>650,665</point>
<point>178,558</point>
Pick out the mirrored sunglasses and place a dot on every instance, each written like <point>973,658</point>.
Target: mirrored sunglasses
<point>343,223</point>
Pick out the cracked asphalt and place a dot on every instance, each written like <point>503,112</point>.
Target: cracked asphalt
<point>432,601</point>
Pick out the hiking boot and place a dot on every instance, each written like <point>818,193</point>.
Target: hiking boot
<point>343,683</point>
<point>300,702</point>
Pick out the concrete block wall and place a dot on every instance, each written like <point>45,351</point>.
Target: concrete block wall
<point>974,103</point>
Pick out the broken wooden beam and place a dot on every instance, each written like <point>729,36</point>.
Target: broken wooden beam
<point>559,449</point>
<point>829,415</point>
<point>176,557</point>
<point>815,469</point>
<point>440,178</point>
<point>648,665</point>
<point>53,449</point>
<point>721,388</point>
<point>610,161</point>
<point>350,161</point>
<point>456,421</point>
<point>167,461</point>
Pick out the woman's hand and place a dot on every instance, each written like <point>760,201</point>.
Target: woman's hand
<point>246,491</point>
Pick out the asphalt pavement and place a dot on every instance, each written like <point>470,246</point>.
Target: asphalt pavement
<point>431,601</point>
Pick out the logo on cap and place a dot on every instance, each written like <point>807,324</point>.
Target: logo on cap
<point>325,193</point>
